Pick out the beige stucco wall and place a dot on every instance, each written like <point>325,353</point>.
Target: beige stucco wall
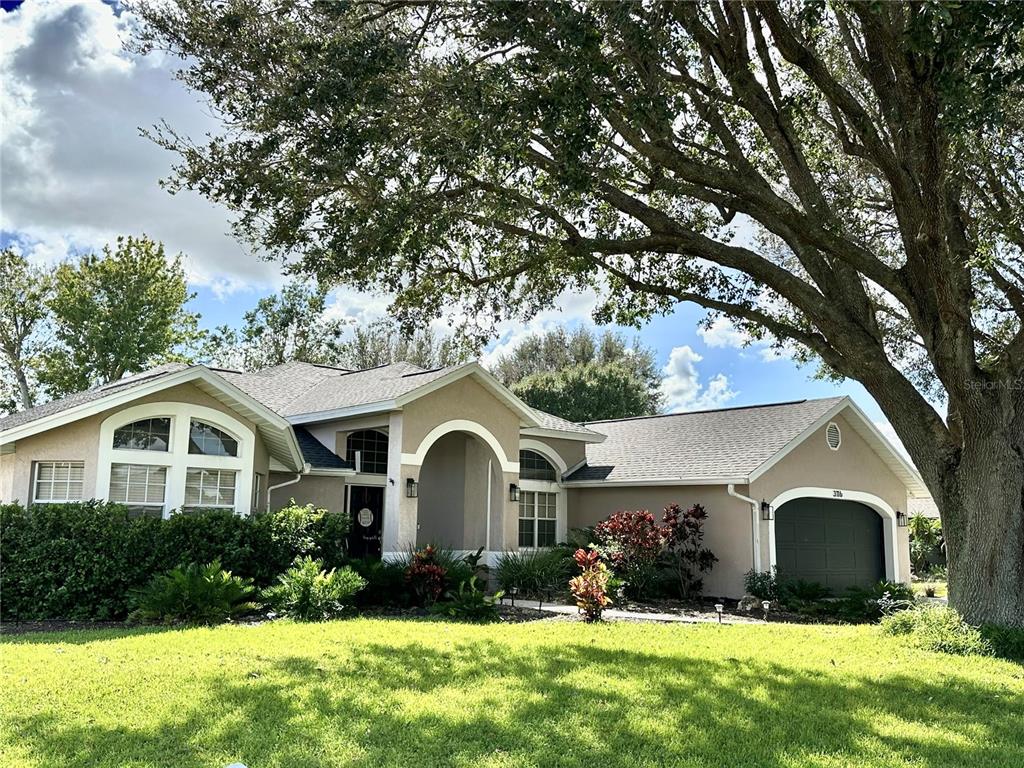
<point>321,491</point>
<point>441,508</point>
<point>727,531</point>
<point>462,399</point>
<point>854,467</point>
<point>79,441</point>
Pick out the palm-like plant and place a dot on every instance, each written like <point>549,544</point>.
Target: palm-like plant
<point>194,594</point>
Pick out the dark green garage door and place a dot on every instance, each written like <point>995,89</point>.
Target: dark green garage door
<point>837,543</point>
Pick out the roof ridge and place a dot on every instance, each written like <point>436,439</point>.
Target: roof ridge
<point>714,410</point>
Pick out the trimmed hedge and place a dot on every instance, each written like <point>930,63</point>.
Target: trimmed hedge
<point>80,561</point>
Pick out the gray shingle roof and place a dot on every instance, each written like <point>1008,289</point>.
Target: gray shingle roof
<point>550,421</point>
<point>86,396</point>
<point>316,454</point>
<point>704,445</point>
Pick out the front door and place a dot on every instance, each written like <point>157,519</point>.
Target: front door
<point>366,511</point>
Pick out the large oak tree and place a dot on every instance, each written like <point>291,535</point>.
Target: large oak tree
<point>481,158</point>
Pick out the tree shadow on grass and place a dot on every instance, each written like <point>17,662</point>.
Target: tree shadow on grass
<point>482,702</point>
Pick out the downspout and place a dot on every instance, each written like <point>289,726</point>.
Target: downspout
<point>305,471</point>
<point>755,523</point>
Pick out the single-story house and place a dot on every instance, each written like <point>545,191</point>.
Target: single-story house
<point>452,457</point>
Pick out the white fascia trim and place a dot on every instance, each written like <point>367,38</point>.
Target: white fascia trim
<point>315,417</point>
<point>331,472</point>
<point>911,479</point>
<point>582,437</point>
<point>658,481</point>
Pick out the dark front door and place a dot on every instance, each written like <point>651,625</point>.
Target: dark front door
<point>833,542</point>
<point>366,511</point>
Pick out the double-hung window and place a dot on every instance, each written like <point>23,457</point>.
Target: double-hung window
<point>537,516</point>
<point>209,488</point>
<point>57,481</point>
<point>140,487</point>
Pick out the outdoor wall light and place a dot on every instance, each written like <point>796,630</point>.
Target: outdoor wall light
<point>767,513</point>
<point>901,519</point>
<point>412,488</point>
<point>513,492</point>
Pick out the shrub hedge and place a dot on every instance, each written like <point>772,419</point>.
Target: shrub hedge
<point>80,561</point>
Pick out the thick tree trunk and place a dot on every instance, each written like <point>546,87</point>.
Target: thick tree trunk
<point>981,503</point>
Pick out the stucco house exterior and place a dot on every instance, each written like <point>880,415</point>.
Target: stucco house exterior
<point>452,457</point>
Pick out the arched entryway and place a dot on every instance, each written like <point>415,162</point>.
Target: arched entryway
<point>838,538</point>
<point>460,503</point>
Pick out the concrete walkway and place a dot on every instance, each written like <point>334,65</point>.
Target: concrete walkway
<point>691,617</point>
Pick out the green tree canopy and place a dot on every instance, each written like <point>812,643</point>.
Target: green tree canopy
<point>479,159</point>
<point>115,314</point>
<point>587,392</point>
<point>289,325</point>
<point>544,366</point>
<point>384,341</point>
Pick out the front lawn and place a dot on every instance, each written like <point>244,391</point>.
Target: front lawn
<point>406,693</point>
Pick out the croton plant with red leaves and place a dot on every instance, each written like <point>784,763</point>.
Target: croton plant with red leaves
<point>425,576</point>
<point>590,588</point>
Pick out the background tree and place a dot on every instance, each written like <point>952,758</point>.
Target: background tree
<point>479,159</point>
<point>384,341</point>
<point>117,314</point>
<point>588,392</point>
<point>24,291</point>
<point>286,326</point>
<point>556,349</point>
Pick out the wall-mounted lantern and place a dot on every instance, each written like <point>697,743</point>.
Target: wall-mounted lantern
<point>412,488</point>
<point>767,513</point>
<point>513,492</point>
<point>901,519</point>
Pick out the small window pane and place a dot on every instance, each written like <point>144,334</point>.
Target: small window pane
<point>207,440</point>
<point>526,503</point>
<point>139,486</point>
<point>533,466</point>
<point>526,533</point>
<point>209,488</point>
<point>546,533</point>
<point>144,435</point>
<point>373,451</point>
<point>58,481</point>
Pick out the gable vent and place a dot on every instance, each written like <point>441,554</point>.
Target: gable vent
<point>833,436</point>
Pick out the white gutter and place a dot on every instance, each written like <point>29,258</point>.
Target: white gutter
<point>755,523</point>
<point>305,471</point>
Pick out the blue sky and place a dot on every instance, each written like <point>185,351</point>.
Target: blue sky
<point>76,173</point>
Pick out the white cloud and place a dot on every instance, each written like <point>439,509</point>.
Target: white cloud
<point>723,333</point>
<point>570,308</point>
<point>683,389</point>
<point>75,171</point>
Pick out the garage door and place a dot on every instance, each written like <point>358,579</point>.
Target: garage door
<point>834,542</point>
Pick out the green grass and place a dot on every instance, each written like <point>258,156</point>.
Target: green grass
<point>390,693</point>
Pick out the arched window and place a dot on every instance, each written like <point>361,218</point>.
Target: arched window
<point>533,466</point>
<point>144,435</point>
<point>206,440</point>
<point>373,451</point>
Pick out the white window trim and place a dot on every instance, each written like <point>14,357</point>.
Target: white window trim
<point>150,504</point>
<point>545,486</point>
<point>178,460</point>
<point>35,481</point>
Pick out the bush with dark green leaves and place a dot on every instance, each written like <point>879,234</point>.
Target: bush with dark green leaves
<point>194,594</point>
<point>81,560</point>
<point>469,603</point>
<point>307,592</point>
